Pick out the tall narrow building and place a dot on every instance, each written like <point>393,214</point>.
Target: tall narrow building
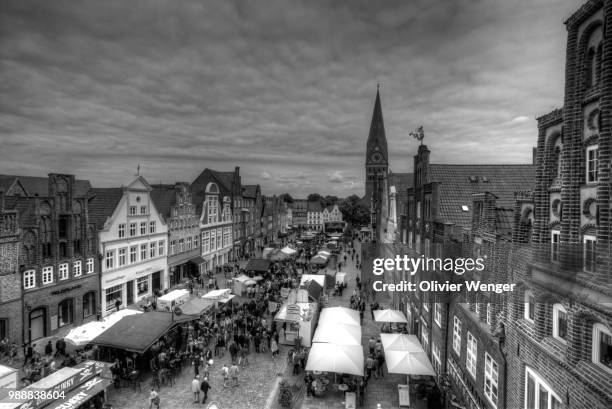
<point>376,165</point>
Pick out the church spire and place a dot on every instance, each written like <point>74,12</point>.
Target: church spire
<point>377,141</point>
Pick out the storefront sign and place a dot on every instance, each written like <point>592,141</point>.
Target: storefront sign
<point>293,312</point>
<point>114,279</point>
<point>58,383</point>
<point>66,289</point>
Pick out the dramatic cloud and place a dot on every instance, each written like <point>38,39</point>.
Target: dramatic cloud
<point>282,88</point>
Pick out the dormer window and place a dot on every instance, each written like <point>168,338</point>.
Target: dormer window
<point>465,208</point>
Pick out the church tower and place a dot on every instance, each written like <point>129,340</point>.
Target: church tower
<point>376,164</point>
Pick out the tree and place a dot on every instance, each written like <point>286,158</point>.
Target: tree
<point>329,200</point>
<point>355,211</point>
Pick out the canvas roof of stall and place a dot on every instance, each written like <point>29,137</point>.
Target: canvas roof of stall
<point>314,289</point>
<point>258,264</point>
<point>138,332</point>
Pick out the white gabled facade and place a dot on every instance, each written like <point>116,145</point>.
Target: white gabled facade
<point>332,214</point>
<point>133,244</point>
<point>216,228</point>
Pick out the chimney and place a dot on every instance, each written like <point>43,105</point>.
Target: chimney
<point>534,155</point>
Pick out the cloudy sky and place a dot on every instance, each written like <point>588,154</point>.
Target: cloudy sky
<point>282,88</point>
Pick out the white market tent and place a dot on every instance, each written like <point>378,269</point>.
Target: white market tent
<point>318,278</point>
<point>339,315</point>
<point>405,355</point>
<point>324,253</point>
<point>222,295</point>
<point>341,334</point>
<point>389,316</point>
<point>288,250</point>
<point>241,282</point>
<point>346,359</point>
<point>173,298</point>
<point>84,334</point>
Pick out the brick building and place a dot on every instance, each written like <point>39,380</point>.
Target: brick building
<point>174,203</point>
<point>58,257</point>
<point>11,324</point>
<point>299,211</point>
<point>559,329</point>
<point>252,202</point>
<point>461,211</point>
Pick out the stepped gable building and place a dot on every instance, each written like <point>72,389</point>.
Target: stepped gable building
<point>133,238</point>
<point>560,327</point>
<point>314,215</point>
<point>174,203</point>
<point>462,211</point>
<point>212,194</point>
<point>252,201</point>
<point>377,169</point>
<point>11,324</point>
<point>299,213</point>
<point>57,253</point>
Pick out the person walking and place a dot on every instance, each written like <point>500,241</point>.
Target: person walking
<point>233,372</point>
<point>204,387</point>
<point>154,399</point>
<point>274,347</point>
<point>195,388</point>
<point>225,373</point>
<point>49,349</point>
<point>369,364</point>
<point>380,357</point>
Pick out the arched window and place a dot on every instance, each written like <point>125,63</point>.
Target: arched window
<point>589,67</point>
<point>89,304</point>
<point>602,346</point>
<point>560,323</point>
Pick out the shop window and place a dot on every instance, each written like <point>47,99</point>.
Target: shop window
<point>65,311</point>
<point>113,294</point>
<point>142,285</point>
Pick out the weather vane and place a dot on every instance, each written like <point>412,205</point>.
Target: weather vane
<point>419,134</point>
<point>138,170</point>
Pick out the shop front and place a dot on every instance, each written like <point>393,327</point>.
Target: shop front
<point>131,285</point>
<point>51,310</point>
<point>184,266</point>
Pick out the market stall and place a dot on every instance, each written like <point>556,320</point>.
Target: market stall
<point>258,266</point>
<point>240,284</point>
<point>345,359</point>
<point>301,319</point>
<point>172,299</point>
<point>339,315</point>
<point>197,306</point>
<point>84,334</point>
<point>335,333</point>
<point>340,278</point>
<point>390,316</point>
<point>137,333</point>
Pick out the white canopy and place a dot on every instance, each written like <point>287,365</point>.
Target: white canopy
<point>405,355</point>
<point>222,295</point>
<point>339,315</point>
<point>389,316</point>
<point>288,250</point>
<point>174,295</point>
<point>338,334</point>
<point>318,278</point>
<point>324,253</point>
<point>242,278</point>
<point>346,359</point>
<point>84,334</point>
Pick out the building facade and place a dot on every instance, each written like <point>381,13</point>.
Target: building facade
<point>57,254</point>
<point>252,202</point>
<point>11,320</point>
<point>560,329</point>
<point>133,240</point>
<point>314,216</point>
<point>299,213</point>
<point>174,203</point>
